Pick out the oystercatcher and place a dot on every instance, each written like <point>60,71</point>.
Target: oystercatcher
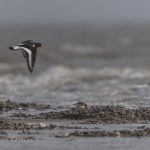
<point>29,51</point>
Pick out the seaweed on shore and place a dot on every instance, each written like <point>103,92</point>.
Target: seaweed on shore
<point>10,105</point>
<point>93,114</point>
<point>18,118</point>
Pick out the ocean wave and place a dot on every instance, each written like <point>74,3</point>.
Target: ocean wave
<point>60,75</point>
<point>63,83</point>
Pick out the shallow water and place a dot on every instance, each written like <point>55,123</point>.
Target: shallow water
<point>81,143</point>
<point>64,85</point>
<point>95,65</point>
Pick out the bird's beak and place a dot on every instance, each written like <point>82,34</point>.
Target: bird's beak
<point>44,45</point>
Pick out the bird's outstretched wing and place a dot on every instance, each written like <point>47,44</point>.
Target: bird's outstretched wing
<point>30,57</point>
<point>34,53</point>
<point>24,53</point>
<point>27,53</point>
<point>29,62</point>
<point>26,41</point>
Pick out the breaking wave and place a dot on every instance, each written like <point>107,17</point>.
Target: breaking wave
<point>93,85</point>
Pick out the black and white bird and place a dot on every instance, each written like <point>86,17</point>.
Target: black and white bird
<point>29,51</point>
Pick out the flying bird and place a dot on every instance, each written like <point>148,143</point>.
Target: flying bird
<point>29,51</point>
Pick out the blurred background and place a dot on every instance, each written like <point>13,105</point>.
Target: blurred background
<point>93,50</point>
<point>99,28</point>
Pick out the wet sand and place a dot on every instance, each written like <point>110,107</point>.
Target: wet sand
<point>92,121</point>
<point>99,126</point>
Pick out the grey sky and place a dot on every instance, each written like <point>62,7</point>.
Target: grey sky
<point>74,10</point>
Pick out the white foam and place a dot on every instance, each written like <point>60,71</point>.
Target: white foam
<point>54,84</point>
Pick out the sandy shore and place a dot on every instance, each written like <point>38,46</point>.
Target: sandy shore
<point>27,121</point>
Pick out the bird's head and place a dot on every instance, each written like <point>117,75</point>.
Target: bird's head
<point>38,44</point>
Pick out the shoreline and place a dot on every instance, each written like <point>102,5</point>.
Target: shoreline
<point>27,121</point>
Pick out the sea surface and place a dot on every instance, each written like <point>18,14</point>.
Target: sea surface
<point>98,65</point>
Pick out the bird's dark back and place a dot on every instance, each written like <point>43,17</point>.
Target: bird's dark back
<point>30,45</point>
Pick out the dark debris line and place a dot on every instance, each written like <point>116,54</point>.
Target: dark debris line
<point>89,115</point>
<point>9,105</point>
<point>115,133</point>
<point>100,114</point>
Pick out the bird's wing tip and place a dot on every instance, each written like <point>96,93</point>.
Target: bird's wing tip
<point>31,70</point>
